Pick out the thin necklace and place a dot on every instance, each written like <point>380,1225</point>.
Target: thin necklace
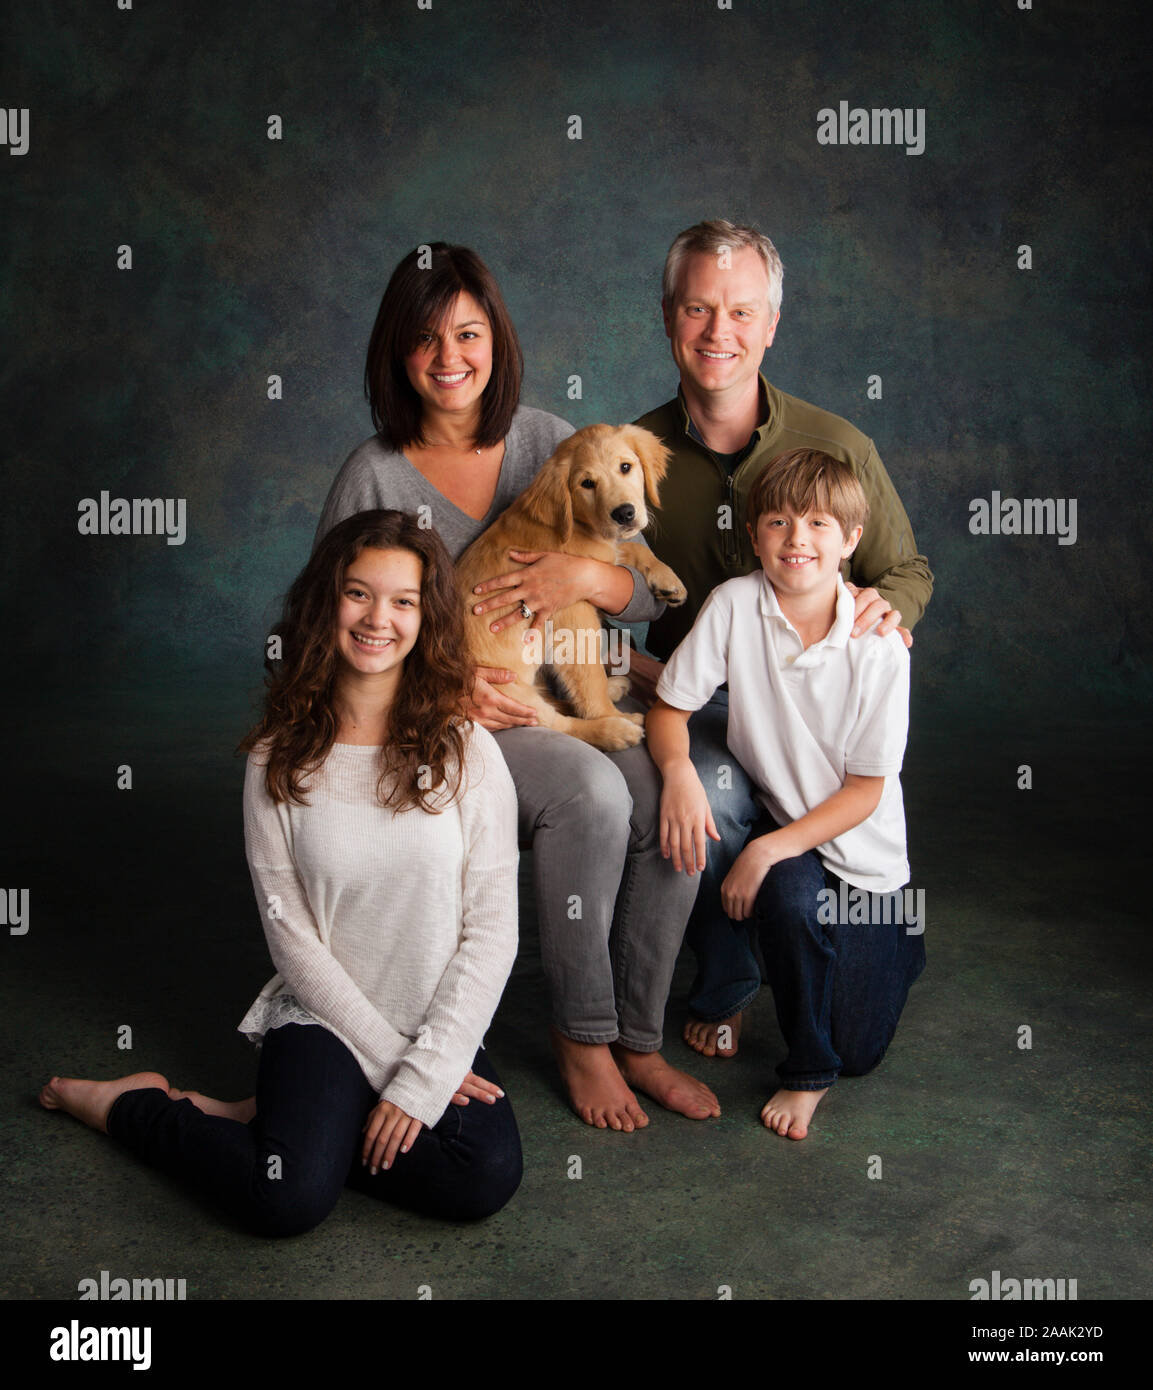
<point>460,448</point>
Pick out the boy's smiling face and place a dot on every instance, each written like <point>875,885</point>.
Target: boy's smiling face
<point>801,555</point>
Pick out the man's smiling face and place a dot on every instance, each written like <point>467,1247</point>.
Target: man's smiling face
<point>721,324</point>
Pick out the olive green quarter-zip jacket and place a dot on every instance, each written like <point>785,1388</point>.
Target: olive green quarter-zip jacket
<point>700,532</point>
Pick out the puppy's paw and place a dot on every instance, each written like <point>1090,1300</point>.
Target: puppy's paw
<point>614,734</point>
<point>667,587</point>
<point>618,688</point>
<point>673,597</point>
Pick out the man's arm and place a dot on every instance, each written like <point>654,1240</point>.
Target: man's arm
<point>886,558</point>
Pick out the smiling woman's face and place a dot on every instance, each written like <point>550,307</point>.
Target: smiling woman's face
<point>452,363</point>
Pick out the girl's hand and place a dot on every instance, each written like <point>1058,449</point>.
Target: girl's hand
<point>477,1088</point>
<point>387,1132</point>
<point>491,708</point>
<point>548,582</point>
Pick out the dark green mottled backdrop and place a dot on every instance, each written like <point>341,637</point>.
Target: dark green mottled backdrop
<point>252,257</point>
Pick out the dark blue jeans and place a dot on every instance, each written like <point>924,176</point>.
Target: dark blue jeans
<point>839,987</point>
<point>282,1173</point>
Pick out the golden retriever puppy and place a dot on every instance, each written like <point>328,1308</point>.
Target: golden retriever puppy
<point>588,499</point>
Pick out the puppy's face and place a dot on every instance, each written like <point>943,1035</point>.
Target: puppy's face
<point>611,472</point>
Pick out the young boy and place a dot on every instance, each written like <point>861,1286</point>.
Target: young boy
<point>818,721</point>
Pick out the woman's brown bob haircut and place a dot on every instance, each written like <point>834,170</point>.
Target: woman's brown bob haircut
<point>421,292</point>
<point>421,764</point>
<point>807,480</point>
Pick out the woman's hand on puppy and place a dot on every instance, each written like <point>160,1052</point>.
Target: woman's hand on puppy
<point>493,710</point>
<point>546,582</point>
<point>387,1132</point>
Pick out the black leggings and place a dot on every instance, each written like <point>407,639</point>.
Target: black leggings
<point>282,1173</point>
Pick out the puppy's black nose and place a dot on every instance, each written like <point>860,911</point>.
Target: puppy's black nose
<point>624,515</point>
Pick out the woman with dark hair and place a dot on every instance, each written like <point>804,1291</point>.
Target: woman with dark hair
<point>380,829</point>
<point>454,446</point>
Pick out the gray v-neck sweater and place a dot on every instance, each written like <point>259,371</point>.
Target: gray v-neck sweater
<point>374,476</point>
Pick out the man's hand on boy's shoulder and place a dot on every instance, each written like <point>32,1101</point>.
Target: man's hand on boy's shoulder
<point>870,608</point>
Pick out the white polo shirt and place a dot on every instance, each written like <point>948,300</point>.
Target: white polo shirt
<point>799,720</point>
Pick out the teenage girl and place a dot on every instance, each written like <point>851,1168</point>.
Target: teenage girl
<point>381,835</point>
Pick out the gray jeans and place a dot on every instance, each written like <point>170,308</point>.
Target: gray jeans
<point>612,912</point>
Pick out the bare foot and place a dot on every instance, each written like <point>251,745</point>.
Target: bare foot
<point>675,1090</point>
<point>595,1086</point>
<point>91,1101</point>
<point>789,1112</point>
<point>241,1110</point>
<point>708,1038</point>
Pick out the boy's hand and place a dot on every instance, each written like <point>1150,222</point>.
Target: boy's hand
<point>743,881</point>
<point>685,820</point>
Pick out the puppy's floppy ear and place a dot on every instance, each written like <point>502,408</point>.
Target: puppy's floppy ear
<point>546,500</point>
<point>654,457</point>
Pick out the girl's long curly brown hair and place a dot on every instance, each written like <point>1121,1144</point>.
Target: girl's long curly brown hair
<point>422,763</point>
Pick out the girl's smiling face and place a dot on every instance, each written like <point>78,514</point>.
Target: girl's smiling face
<point>379,615</point>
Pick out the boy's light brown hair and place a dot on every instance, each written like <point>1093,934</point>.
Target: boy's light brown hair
<point>807,480</point>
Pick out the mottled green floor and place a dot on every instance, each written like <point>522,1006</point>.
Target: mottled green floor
<point>1032,1162</point>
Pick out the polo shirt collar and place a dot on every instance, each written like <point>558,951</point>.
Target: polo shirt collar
<point>839,633</point>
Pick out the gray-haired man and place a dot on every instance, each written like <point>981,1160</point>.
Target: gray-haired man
<point>721,304</point>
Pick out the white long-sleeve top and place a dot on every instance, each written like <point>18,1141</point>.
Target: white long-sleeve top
<point>395,930</point>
